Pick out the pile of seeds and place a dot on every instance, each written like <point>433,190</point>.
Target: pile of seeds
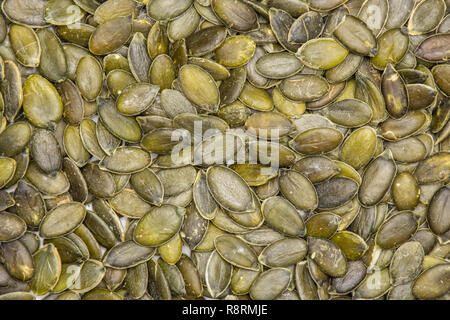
<point>348,99</point>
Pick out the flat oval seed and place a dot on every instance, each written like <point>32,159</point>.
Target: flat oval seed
<point>229,190</point>
<point>47,264</point>
<point>270,284</point>
<point>355,35</point>
<point>199,87</point>
<point>405,191</point>
<point>377,179</point>
<point>28,12</point>
<point>432,283</point>
<point>89,77</point>
<point>317,141</point>
<point>25,45</point>
<point>113,9</point>
<point>235,15</point>
<point>91,274</point>
<point>441,75</point>
<point>394,92</point>
<point>53,64</point>
<point>42,104</point>
<point>235,51</point>
<point>354,276</point>
<point>8,168</point>
<point>367,290</point>
<point>411,123</point>
<point>218,274</point>
<point>434,169</point>
<point>206,40</point>
<point>374,13</point>
<point>396,230</point>
<point>322,54</point>
<point>255,98</point>
<point>162,10</point>
<point>293,184</point>
<point>11,89</point>
<point>322,5</point>
<point>407,262</point>
<point>49,184</point>
<point>127,254</point>
<point>434,48</point>
<point>349,113</point>
<point>351,244</point>
<point>11,227</point>
<point>336,192</point>
<point>62,220</point>
<point>159,225</point>
<point>110,35</point>
<point>278,65</point>
<point>328,256</point>
<point>438,217</point>
<point>126,160</point>
<point>305,88</point>
<point>392,47</point>
<point>426,16</point>
<point>45,151</point>
<point>269,125</point>
<point>73,103</point>
<point>236,252</point>
<point>119,125</point>
<point>148,186</point>
<point>73,146</point>
<point>89,138</point>
<point>283,253</point>
<point>281,215</point>
<point>174,102</point>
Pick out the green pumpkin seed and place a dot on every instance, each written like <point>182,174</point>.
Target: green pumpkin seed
<point>270,284</point>
<point>387,51</point>
<point>199,87</point>
<point>410,124</point>
<point>321,5</point>
<point>110,35</point>
<point>119,125</point>
<point>127,254</point>
<point>367,290</point>
<point>62,220</point>
<point>47,264</point>
<point>15,138</point>
<point>112,9</point>
<point>77,33</point>
<point>328,256</point>
<point>218,274</point>
<point>73,103</point>
<point>377,179</point>
<point>277,210</point>
<point>205,40</point>
<point>126,160</point>
<point>73,145</point>
<point>99,182</point>
<point>426,17</point>
<point>355,35</point>
<point>396,230</point>
<point>235,51</point>
<point>42,104</point>
<point>11,89</point>
<point>161,10</point>
<point>177,180</point>
<point>283,253</point>
<point>405,191</point>
<point>339,112</point>
<point>91,274</point>
<point>129,204</point>
<point>236,252</point>
<point>434,48</point>
<point>374,13</point>
<point>317,141</point>
<point>432,283</point>
<point>316,54</point>
<point>278,65</point>
<point>159,225</point>
<point>25,44</point>
<point>303,87</point>
<point>28,12</point>
<point>12,227</point>
<point>53,63</point>
<point>281,22</point>
<point>49,184</point>
<point>437,216</point>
